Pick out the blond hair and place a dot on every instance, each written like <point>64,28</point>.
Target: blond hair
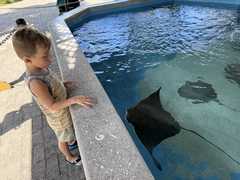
<point>26,40</point>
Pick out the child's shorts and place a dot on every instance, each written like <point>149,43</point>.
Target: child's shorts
<point>66,135</point>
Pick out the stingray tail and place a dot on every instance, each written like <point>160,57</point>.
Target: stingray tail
<point>216,146</point>
<point>233,109</point>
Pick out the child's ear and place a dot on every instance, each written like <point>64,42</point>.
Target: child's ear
<point>27,59</point>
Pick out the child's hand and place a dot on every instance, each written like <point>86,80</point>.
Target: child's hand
<point>70,85</point>
<point>84,101</point>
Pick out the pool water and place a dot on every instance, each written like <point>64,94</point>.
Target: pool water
<point>135,53</point>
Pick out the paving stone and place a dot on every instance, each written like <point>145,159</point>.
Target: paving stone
<point>37,124</point>
<point>51,149</point>
<point>39,171</point>
<point>38,153</point>
<point>52,172</point>
<point>45,124</point>
<point>31,110</point>
<point>37,138</point>
<point>49,134</point>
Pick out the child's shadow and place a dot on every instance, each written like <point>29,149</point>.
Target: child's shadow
<point>14,119</point>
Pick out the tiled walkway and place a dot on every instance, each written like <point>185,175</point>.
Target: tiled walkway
<point>28,148</point>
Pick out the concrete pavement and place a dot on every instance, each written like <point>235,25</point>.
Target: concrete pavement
<point>28,147</point>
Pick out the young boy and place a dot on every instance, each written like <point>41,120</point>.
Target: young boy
<point>50,94</point>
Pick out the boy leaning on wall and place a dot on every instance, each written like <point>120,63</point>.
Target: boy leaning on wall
<point>33,47</point>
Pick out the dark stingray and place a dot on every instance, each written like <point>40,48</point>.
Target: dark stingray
<point>200,92</point>
<point>232,73</point>
<point>151,122</point>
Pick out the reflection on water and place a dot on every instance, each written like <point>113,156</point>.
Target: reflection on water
<point>135,53</point>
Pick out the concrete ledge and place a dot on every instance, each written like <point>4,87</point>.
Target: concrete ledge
<point>211,3</point>
<point>82,14</point>
<point>105,145</point>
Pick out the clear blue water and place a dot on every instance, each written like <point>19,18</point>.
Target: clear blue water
<point>135,53</point>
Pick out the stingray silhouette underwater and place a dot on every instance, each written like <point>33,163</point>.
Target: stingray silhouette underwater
<point>153,124</point>
<point>201,92</point>
<point>232,73</point>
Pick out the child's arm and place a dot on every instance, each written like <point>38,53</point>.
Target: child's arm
<point>40,90</point>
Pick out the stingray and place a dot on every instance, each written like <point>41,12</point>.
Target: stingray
<point>200,92</point>
<point>152,123</point>
<point>232,73</point>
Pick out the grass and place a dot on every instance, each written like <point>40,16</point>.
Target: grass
<point>2,2</point>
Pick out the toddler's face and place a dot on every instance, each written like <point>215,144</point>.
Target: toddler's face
<point>42,58</point>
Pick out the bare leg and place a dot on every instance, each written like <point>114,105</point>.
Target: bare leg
<point>63,147</point>
<point>71,142</point>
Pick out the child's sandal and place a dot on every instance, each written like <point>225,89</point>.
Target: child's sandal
<point>72,146</point>
<point>76,162</point>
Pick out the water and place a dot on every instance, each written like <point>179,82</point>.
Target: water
<point>135,53</point>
